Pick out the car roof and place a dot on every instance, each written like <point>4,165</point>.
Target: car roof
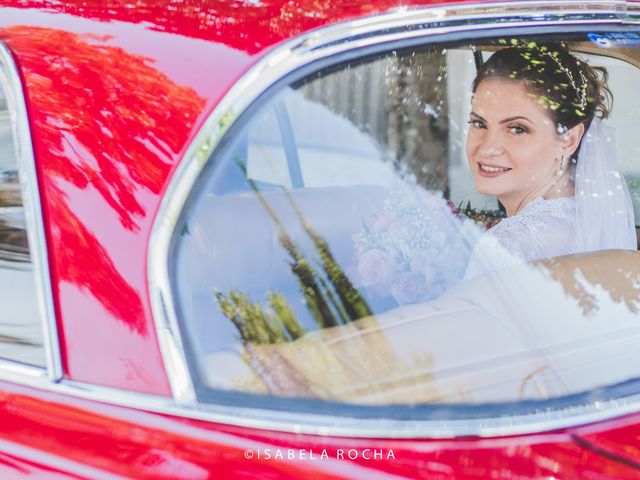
<point>247,25</point>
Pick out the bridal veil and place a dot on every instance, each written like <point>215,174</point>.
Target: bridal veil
<point>604,211</point>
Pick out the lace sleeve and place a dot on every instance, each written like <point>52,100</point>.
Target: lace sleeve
<point>539,233</point>
<point>533,240</point>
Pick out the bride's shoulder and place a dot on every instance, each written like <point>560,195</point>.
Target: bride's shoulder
<point>544,228</point>
<point>540,213</point>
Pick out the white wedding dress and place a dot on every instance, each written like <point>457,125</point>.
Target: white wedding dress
<point>543,229</point>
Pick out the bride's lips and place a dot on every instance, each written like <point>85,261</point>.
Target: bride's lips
<point>489,170</point>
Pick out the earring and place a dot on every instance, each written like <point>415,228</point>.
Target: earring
<point>561,169</point>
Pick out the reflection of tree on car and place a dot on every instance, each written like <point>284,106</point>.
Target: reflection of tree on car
<point>329,295</point>
<point>130,99</point>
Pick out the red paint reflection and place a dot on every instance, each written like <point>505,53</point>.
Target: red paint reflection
<point>248,25</point>
<point>118,119</point>
<point>84,262</point>
<point>107,120</point>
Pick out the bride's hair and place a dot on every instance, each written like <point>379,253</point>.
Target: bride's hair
<point>573,91</point>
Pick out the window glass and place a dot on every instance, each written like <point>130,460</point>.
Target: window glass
<point>393,238</point>
<point>20,325</point>
<point>266,158</point>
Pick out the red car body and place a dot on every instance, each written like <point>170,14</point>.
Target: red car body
<point>115,93</point>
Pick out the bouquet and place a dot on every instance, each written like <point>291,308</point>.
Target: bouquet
<point>482,217</point>
<point>414,249</point>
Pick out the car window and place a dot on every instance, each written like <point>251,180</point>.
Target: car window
<point>20,325</point>
<point>339,247</point>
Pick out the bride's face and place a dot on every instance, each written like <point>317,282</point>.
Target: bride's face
<point>513,146</point>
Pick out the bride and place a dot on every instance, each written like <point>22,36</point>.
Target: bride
<point>536,141</point>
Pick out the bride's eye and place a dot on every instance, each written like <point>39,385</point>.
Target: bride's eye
<point>517,129</point>
<point>477,123</point>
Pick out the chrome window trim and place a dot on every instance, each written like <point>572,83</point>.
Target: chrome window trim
<point>340,426</point>
<point>23,373</point>
<point>9,370</point>
<point>527,13</point>
<point>308,48</point>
